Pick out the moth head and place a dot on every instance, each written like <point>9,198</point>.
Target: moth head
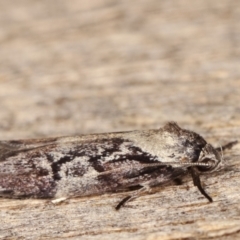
<point>211,158</point>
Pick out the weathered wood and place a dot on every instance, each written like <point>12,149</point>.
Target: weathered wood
<point>100,66</point>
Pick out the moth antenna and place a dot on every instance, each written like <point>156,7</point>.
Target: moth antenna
<point>188,164</point>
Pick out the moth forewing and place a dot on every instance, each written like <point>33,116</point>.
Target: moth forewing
<point>100,163</point>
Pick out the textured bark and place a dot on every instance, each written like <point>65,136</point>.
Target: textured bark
<point>100,66</point>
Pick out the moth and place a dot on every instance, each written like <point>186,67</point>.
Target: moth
<point>134,161</point>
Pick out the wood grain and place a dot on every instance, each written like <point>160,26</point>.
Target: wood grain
<point>100,66</point>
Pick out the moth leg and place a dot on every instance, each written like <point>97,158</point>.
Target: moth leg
<point>136,194</point>
<point>227,146</point>
<point>122,202</point>
<point>178,181</point>
<point>197,182</point>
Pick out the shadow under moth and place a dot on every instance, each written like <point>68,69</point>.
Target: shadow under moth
<point>94,164</point>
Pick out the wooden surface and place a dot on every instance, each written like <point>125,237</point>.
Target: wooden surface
<point>72,67</point>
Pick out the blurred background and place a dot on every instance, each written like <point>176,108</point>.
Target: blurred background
<point>73,67</point>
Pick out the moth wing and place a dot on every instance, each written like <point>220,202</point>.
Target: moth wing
<point>140,176</point>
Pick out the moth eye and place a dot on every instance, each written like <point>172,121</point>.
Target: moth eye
<point>207,160</point>
<point>210,162</point>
